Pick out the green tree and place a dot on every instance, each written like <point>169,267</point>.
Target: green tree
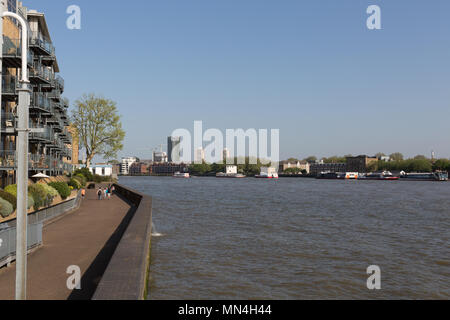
<point>396,156</point>
<point>99,127</point>
<point>311,159</point>
<point>379,155</point>
<point>420,157</point>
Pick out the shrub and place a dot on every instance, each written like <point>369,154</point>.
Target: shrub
<point>81,179</point>
<point>85,172</point>
<point>75,183</point>
<point>98,179</point>
<point>39,194</point>
<point>9,197</point>
<point>62,188</point>
<point>51,194</point>
<point>6,208</point>
<point>12,189</point>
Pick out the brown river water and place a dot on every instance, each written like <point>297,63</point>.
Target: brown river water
<point>297,238</point>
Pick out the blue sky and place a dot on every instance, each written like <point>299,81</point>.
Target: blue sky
<point>309,68</point>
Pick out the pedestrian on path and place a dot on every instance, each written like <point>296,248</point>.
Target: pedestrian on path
<point>105,194</point>
<point>99,193</point>
<point>83,193</point>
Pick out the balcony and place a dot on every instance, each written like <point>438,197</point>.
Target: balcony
<point>42,46</point>
<point>41,137</point>
<point>12,53</point>
<point>40,103</point>
<point>8,123</point>
<point>55,95</point>
<point>42,75</point>
<point>8,159</point>
<point>59,83</point>
<point>9,87</point>
<point>38,162</point>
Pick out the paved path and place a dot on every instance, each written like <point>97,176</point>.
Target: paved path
<point>85,238</point>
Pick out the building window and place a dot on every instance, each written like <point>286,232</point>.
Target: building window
<point>12,6</point>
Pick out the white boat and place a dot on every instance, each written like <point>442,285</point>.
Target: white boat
<point>181,175</point>
<point>267,173</point>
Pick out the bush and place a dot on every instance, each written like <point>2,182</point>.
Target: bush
<point>51,194</point>
<point>12,189</point>
<point>39,194</point>
<point>84,172</point>
<point>74,184</point>
<point>9,197</point>
<point>6,208</point>
<point>62,188</point>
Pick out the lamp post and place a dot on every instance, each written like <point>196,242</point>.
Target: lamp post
<point>22,161</point>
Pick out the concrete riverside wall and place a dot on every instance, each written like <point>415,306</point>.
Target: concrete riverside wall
<point>36,220</point>
<point>126,276</point>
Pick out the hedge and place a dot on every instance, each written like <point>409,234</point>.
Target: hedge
<point>75,183</point>
<point>6,208</point>
<point>81,179</point>
<point>9,197</point>
<point>12,189</point>
<point>62,188</point>
<point>40,195</point>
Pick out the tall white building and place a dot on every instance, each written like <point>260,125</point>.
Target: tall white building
<point>126,163</point>
<point>225,154</point>
<point>174,149</point>
<point>199,156</point>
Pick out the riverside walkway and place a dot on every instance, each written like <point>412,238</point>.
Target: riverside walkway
<point>85,238</point>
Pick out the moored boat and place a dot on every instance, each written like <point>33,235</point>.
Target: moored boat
<point>181,175</point>
<point>425,176</point>
<point>267,173</point>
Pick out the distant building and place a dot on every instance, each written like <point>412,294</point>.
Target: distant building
<point>174,149</point>
<point>104,170</point>
<point>231,169</point>
<point>199,155</point>
<point>138,168</point>
<point>126,163</point>
<point>167,168</point>
<point>317,168</point>
<point>160,157</point>
<point>226,154</point>
<point>359,163</point>
<point>301,165</point>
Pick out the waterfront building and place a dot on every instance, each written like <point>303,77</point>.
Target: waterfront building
<point>50,150</point>
<point>318,168</point>
<point>139,168</point>
<point>167,168</point>
<point>301,165</point>
<point>160,157</point>
<point>231,169</point>
<point>126,164</point>
<point>174,149</point>
<point>104,170</point>
<point>360,163</point>
<point>225,154</point>
<point>199,155</point>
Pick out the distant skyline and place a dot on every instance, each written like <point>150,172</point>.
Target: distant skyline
<point>309,68</point>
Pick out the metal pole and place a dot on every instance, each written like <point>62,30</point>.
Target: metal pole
<point>22,166</point>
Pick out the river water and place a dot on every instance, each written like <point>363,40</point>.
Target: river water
<point>297,238</point>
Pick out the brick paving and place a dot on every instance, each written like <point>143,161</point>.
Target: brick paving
<point>85,238</point>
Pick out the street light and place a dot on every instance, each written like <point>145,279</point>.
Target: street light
<point>22,160</point>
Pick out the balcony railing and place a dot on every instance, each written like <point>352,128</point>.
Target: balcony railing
<point>41,74</point>
<point>55,95</point>
<point>12,53</point>
<point>41,102</point>
<point>60,82</point>
<point>39,162</point>
<point>42,43</point>
<point>46,135</point>
<point>9,84</point>
<point>8,122</point>
<point>8,159</point>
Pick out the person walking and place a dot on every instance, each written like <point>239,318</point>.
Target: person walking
<point>99,193</point>
<point>83,193</point>
<point>113,189</point>
<point>108,193</point>
<point>105,194</point>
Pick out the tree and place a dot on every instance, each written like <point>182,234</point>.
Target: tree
<point>379,155</point>
<point>99,127</point>
<point>311,159</point>
<point>396,156</point>
<point>420,157</point>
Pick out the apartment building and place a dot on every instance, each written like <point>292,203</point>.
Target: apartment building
<point>50,148</point>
